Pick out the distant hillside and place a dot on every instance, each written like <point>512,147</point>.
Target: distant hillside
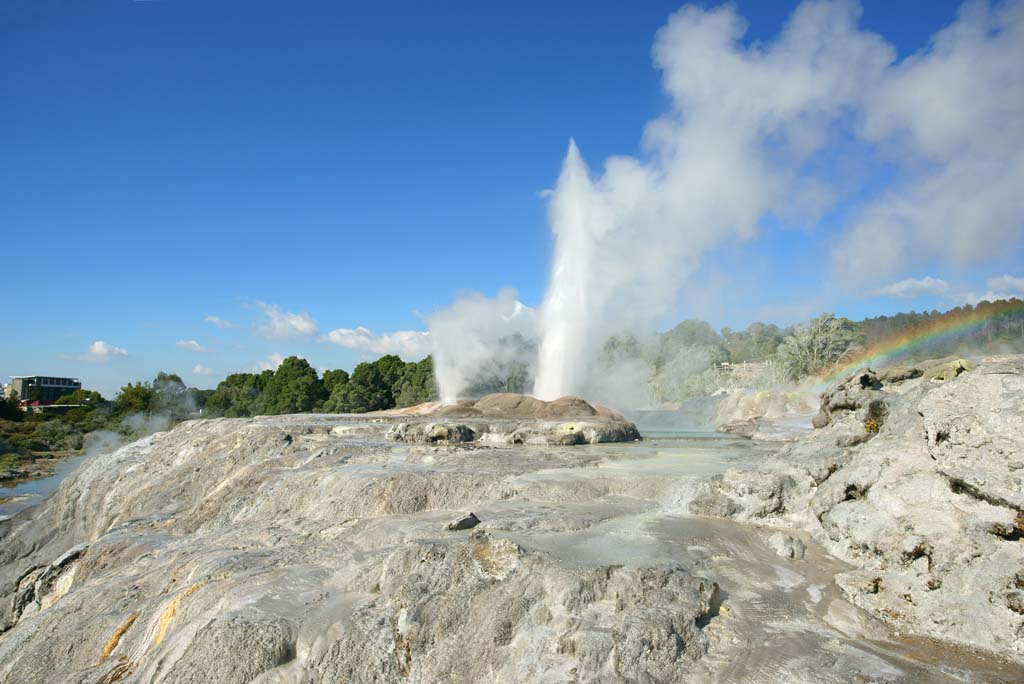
<point>688,360</point>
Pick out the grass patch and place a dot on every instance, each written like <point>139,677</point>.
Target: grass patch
<point>12,461</point>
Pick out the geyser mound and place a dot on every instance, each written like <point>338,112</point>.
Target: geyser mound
<point>507,418</point>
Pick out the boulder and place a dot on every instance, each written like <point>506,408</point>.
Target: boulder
<point>860,393</point>
<point>897,374</point>
<point>464,522</point>
<point>499,419</point>
<point>947,369</point>
<point>524,406</point>
<point>975,431</point>
<point>432,433</point>
<point>766,414</point>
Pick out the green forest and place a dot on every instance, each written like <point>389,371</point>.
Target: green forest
<point>140,408</point>
<point>674,365</point>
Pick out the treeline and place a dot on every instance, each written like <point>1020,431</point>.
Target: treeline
<point>1000,329</point>
<point>681,363</point>
<point>295,387</point>
<point>669,366</point>
<point>140,408</point>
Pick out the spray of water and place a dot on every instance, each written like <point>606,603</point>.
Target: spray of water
<point>776,128</point>
<point>563,351</point>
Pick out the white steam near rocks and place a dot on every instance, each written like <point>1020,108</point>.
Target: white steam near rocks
<point>770,129</point>
<point>467,337</point>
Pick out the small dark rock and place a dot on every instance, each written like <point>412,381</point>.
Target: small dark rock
<point>467,522</point>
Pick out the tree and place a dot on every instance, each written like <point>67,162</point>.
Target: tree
<point>690,333</point>
<point>169,392</point>
<point>196,398</point>
<point>369,388</point>
<point>510,368</point>
<point>392,371</point>
<point>82,397</point>
<point>378,385</point>
<point>816,345</point>
<point>336,385</point>
<point>335,379</point>
<point>416,384</point>
<point>757,343</point>
<point>294,388</point>
<point>135,398</point>
<point>10,408</point>
<point>238,395</point>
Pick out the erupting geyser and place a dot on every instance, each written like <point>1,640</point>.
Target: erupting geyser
<point>768,130</point>
<point>561,366</point>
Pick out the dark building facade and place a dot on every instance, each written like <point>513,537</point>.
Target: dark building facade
<point>42,390</point>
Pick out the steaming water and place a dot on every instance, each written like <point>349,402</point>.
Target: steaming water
<point>31,492</point>
<point>561,366</point>
<point>786,620</point>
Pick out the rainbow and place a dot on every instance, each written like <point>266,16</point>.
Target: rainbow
<point>902,343</point>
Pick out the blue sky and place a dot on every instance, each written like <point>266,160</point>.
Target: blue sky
<point>351,164</point>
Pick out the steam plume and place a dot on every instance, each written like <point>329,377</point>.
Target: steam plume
<point>768,129</point>
<point>466,337</point>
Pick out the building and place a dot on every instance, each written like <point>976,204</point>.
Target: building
<point>41,390</point>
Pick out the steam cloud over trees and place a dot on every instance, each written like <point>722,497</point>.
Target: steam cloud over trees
<point>768,130</point>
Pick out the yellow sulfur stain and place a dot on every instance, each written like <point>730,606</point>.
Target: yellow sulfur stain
<point>122,669</point>
<point>112,644</point>
<point>169,612</point>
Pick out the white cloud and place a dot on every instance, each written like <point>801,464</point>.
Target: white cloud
<point>951,118</point>
<point>200,369</point>
<point>909,288</point>
<point>411,345</point>
<point>975,297</point>
<point>219,322</point>
<point>772,129</point>
<point>285,324</point>
<point>98,351</point>
<point>190,345</point>
<point>1000,287</point>
<point>744,138</point>
<point>272,362</point>
<point>1007,283</point>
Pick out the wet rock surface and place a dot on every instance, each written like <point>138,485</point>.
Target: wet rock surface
<point>928,512</point>
<point>313,549</point>
<point>766,414</point>
<point>860,394</point>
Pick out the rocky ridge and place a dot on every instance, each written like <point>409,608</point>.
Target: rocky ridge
<point>516,419</point>
<point>919,484</point>
<point>311,549</point>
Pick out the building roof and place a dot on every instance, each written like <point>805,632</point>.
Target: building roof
<point>57,377</point>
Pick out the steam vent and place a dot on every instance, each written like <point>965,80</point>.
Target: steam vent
<point>515,419</point>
